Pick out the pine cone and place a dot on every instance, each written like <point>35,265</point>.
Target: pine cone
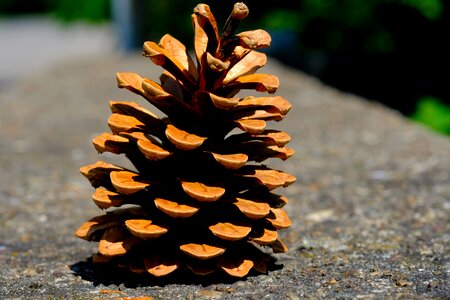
<point>196,201</point>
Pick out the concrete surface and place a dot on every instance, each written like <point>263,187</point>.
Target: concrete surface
<point>371,209</point>
<point>28,45</point>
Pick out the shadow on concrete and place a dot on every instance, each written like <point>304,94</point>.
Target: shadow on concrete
<point>104,274</point>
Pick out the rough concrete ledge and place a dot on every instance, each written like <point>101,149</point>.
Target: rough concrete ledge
<point>371,209</point>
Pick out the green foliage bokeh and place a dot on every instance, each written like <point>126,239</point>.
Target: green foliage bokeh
<point>88,10</point>
<point>434,114</point>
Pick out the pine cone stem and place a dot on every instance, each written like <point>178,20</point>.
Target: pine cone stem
<point>240,11</point>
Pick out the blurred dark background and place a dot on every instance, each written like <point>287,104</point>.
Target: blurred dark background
<point>393,51</point>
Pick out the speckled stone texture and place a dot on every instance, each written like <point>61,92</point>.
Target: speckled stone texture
<point>371,208</point>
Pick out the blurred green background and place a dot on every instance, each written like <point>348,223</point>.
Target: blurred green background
<point>393,51</point>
